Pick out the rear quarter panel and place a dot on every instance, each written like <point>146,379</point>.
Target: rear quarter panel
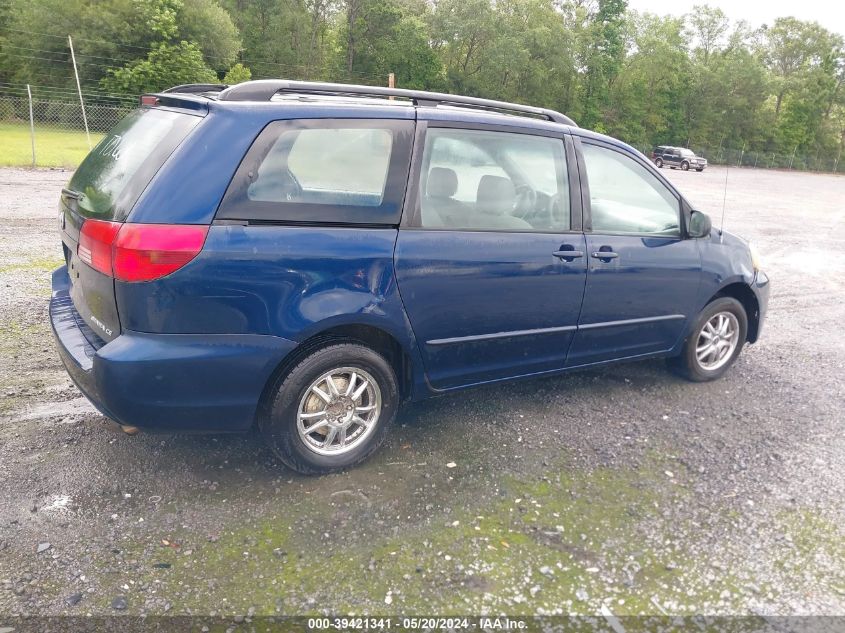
<point>282,280</point>
<point>285,281</point>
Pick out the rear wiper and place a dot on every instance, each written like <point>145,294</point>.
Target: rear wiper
<point>70,193</point>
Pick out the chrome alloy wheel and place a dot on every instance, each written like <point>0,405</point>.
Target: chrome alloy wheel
<point>339,411</point>
<point>717,341</point>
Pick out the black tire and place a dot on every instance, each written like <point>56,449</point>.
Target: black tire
<point>279,425</point>
<point>699,169</point>
<point>686,364</point>
<point>685,166</point>
<point>659,163</point>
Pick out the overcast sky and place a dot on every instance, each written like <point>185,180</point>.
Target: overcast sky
<point>829,13</point>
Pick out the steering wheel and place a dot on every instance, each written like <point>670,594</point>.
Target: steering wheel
<point>526,199</point>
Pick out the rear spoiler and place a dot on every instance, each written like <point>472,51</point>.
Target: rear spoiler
<point>184,101</point>
<point>197,89</point>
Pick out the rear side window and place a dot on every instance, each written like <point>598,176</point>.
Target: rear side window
<point>323,171</point>
<point>116,172</point>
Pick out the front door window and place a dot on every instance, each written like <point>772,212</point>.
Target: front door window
<point>626,198</point>
<point>484,180</point>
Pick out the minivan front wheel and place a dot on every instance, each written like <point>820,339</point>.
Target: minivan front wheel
<point>659,163</point>
<point>332,410</point>
<point>715,341</point>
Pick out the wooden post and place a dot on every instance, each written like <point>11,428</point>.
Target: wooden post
<point>79,90</point>
<point>391,82</point>
<point>31,124</point>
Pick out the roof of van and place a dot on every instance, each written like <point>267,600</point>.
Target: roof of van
<point>265,90</point>
<point>304,96</point>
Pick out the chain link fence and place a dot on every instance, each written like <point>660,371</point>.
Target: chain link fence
<point>44,128</point>
<point>56,134</point>
<point>819,161</point>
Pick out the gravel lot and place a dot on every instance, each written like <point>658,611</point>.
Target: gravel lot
<point>624,488</point>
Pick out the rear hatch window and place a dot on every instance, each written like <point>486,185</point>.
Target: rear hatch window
<point>115,173</point>
<point>101,193</point>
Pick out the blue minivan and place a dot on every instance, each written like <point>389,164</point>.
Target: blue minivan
<point>304,257</point>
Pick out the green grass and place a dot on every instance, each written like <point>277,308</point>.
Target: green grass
<point>54,146</point>
<point>540,545</point>
<point>39,264</point>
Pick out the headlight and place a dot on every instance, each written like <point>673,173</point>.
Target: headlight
<point>756,260</point>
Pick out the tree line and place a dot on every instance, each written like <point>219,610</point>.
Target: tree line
<point>694,80</point>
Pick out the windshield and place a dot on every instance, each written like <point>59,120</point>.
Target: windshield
<point>116,171</point>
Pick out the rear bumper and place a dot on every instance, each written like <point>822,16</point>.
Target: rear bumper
<point>166,382</point>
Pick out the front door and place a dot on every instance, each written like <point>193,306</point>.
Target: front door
<point>643,276</point>
<point>489,269</point>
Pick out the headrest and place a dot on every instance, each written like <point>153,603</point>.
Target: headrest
<point>495,195</point>
<point>442,182</point>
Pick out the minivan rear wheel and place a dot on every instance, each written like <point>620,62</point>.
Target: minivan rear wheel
<point>714,343</point>
<point>332,410</point>
<point>685,165</point>
<point>659,163</point>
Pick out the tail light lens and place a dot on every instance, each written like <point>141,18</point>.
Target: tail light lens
<point>143,252</point>
<point>139,252</point>
<point>95,243</point>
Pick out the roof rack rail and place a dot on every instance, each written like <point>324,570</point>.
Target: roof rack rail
<point>265,89</point>
<point>196,88</point>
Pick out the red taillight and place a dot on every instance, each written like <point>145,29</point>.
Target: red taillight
<point>139,252</point>
<point>143,252</point>
<point>95,244</point>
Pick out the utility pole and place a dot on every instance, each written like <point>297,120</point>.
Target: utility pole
<point>391,82</point>
<point>793,156</point>
<point>79,90</point>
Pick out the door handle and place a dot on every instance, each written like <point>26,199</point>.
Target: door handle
<point>604,255</point>
<point>568,255</point>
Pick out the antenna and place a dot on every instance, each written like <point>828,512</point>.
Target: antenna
<point>724,198</point>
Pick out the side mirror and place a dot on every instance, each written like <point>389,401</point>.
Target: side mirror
<point>699,224</point>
